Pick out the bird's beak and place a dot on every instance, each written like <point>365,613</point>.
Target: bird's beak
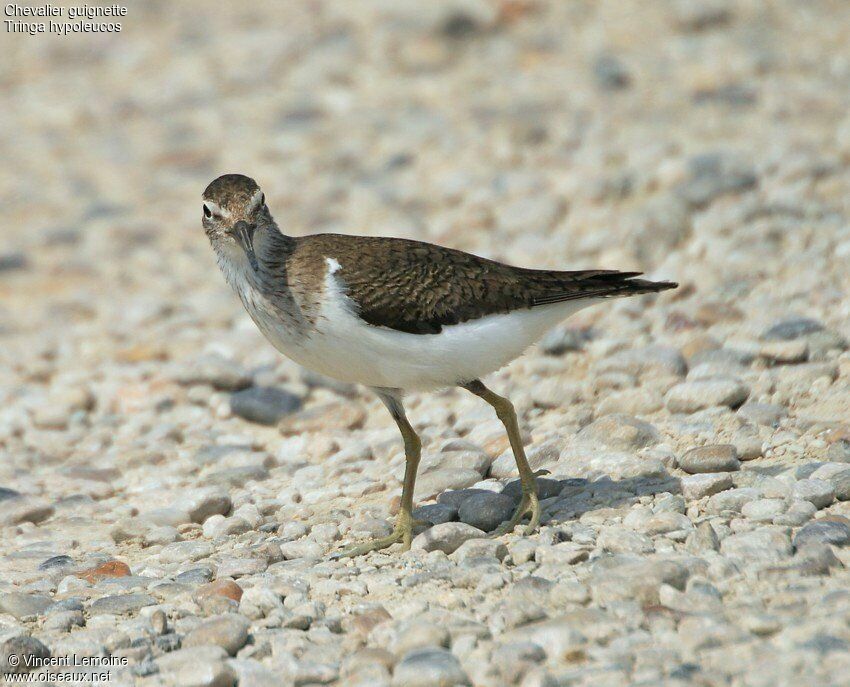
<point>244,234</point>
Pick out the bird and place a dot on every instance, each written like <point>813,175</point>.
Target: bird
<point>397,316</point>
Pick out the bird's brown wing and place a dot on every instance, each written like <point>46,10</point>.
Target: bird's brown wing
<point>418,287</point>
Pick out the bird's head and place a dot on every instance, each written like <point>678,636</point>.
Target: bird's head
<point>234,210</point>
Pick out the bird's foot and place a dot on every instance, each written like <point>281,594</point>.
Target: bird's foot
<point>402,532</point>
<point>528,505</point>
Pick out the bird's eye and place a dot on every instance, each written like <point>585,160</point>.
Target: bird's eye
<point>207,211</point>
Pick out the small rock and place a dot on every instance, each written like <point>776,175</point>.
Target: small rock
<point>22,605</point>
<point>437,481</point>
<point>18,655</point>
<point>785,351</point>
<point>817,492</point>
<point>823,531</point>
<point>203,503</point>
<point>610,73</point>
<point>109,569</point>
<point>708,459</point>
<point>225,588</point>
<point>702,539</point>
<point>435,513</point>
<point>559,341</point>
<point>767,414</point>
<point>732,500</point>
<point>263,405</point>
<point>706,484</point>
<point>327,418</point>
<point>429,667</point>
<point>159,623</point>
<point>420,634</point>
<point>14,511</point>
<point>487,510</point>
<point>229,631</point>
<point>121,604</point>
<point>619,433</point>
<point>790,329</point>
<point>689,397</point>
<point>446,537</point>
<point>215,370</point>
<point>763,510</point>
<point>765,545</point>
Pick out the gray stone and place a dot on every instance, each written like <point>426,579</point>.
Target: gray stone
<point>559,341</point>
<point>18,654</point>
<point>437,481</point>
<point>14,511</point>
<point>215,370</point>
<point>446,537</point>
<point>420,634</point>
<point>429,667</point>
<point>839,451</point>
<point>817,492</point>
<point>486,511</point>
<point>263,405</point>
<point>706,484</point>
<point>834,532</point>
<point>435,513</point>
<point>610,73</point>
<point>689,397</point>
<point>212,674</point>
<point>203,503</point>
<point>702,539</point>
<point>708,459</point>
<point>618,540</point>
<point>456,497</point>
<point>622,578</point>
<point>619,433</point>
<point>763,510</point>
<point>229,631</point>
<point>732,500</point>
<point>651,360</point>
<point>767,414</point>
<point>764,546</point>
<point>121,604</point>
<point>546,488</point>
<point>22,605</point>
<point>713,175</point>
<point>792,328</point>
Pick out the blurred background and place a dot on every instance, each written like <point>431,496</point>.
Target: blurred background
<point>705,141</point>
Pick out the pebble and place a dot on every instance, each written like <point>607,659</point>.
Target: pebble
<point>697,486</point>
<point>446,537</point>
<point>22,605</point>
<point>762,546</point>
<point>18,653</point>
<point>689,397</point>
<point>619,433</point>
<point>429,667</point>
<point>263,405</point>
<point>486,511</point>
<point>818,492</point>
<point>710,459</point>
<point>823,532</point>
<point>120,604</point>
<point>229,631</point>
<point>436,513</point>
<point>215,370</point>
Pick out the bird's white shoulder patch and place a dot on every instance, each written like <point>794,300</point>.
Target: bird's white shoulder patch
<point>333,265</point>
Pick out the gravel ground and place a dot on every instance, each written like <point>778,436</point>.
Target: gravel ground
<point>171,488</point>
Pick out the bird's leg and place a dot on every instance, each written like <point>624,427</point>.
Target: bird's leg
<point>404,524</point>
<point>529,504</point>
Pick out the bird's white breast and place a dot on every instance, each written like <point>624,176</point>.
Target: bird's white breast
<point>341,345</point>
